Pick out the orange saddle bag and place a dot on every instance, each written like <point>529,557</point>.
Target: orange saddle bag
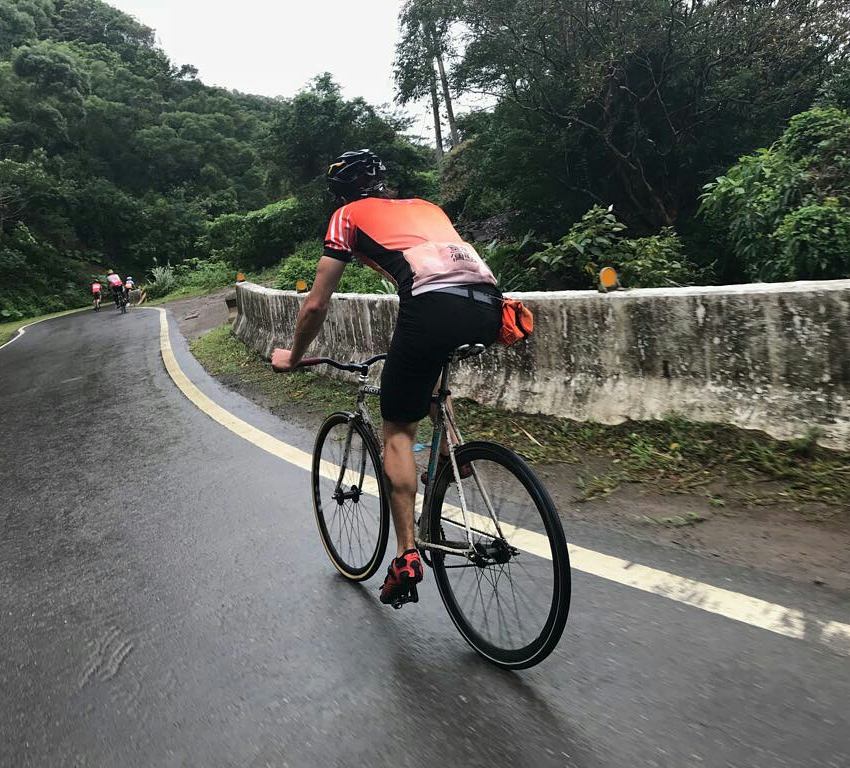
<point>517,322</point>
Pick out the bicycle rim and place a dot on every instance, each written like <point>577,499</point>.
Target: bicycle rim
<point>349,497</point>
<point>510,605</point>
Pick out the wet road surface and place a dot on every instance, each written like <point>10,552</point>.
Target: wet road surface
<point>165,601</point>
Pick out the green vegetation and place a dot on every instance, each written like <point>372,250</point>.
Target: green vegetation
<point>301,265</point>
<point>671,456</point>
<point>632,104</point>
<point>224,356</point>
<point>596,241</point>
<point>785,211</point>
<point>113,156</point>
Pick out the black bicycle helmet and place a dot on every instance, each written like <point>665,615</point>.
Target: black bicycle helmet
<point>357,174</point>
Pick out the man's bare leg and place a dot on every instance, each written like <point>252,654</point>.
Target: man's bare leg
<point>400,469</point>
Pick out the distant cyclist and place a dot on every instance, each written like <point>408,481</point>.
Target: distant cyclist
<point>116,284</point>
<point>96,294</point>
<point>448,297</point>
<point>129,285</point>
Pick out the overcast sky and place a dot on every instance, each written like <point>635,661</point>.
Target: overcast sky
<point>274,48</point>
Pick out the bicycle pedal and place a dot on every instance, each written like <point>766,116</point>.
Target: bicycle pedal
<point>412,596</point>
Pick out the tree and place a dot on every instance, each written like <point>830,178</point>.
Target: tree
<point>641,102</point>
<point>318,124</point>
<point>424,43</point>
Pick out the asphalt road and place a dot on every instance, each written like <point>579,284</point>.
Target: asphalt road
<point>165,601</point>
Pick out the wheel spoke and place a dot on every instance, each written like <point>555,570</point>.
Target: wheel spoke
<point>352,523</point>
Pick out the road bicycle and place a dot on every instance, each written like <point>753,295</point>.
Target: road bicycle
<point>486,525</point>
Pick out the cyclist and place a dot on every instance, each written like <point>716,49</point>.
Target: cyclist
<point>116,285</point>
<point>129,285</point>
<point>447,297</point>
<point>96,294</point>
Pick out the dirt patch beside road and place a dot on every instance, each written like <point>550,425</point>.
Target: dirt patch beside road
<point>199,314</point>
<point>807,542</point>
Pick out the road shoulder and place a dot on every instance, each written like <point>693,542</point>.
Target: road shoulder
<point>750,523</point>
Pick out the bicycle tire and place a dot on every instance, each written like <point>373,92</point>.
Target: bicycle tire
<point>366,569</point>
<point>544,642</point>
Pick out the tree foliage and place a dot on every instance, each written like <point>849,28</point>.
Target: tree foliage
<point>784,212</point>
<point>637,102</point>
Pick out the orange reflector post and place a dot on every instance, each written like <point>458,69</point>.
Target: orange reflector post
<point>300,285</point>
<point>608,279</point>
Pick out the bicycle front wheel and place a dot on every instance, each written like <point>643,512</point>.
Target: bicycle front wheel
<point>510,599</point>
<point>349,496</point>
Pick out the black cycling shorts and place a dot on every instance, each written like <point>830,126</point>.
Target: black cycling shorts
<point>429,328</point>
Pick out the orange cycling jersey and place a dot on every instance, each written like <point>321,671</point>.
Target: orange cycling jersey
<point>412,242</point>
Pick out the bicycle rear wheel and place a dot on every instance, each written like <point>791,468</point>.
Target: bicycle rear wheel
<point>511,599</point>
<point>349,496</point>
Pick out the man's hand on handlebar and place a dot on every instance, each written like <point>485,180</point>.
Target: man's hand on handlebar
<point>282,361</point>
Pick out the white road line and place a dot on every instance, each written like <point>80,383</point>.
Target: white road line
<point>779,619</point>
<point>22,329</point>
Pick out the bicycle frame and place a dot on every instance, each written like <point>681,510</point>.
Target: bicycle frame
<point>444,426</point>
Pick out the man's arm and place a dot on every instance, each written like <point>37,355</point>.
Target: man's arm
<point>312,314</point>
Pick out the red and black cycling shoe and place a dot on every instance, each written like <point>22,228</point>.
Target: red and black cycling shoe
<point>403,575</point>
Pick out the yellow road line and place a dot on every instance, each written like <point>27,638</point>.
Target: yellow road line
<point>779,619</point>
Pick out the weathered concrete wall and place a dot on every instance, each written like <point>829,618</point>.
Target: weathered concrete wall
<point>774,357</point>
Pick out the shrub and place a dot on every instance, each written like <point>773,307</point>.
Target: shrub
<point>593,240</point>
<point>301,265</point>
<point>205,274</point>
<point>36,277</point>
<point>658,260</point>
<point>596,241</point>
<point>782,212</point>
<point>275,231</point>
<point>262,237</point>
<point>814,241</point>
<point>162,281</point>
<point>509,263</point>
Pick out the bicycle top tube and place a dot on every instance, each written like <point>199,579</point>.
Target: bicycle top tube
<point>362,367</point>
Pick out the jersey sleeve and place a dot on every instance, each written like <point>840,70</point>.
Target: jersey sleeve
<point>341,236</point>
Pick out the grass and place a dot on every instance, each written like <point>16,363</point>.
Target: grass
<point>184,292</point>
<point>267,277</point>
<point>8,330</point>
<point>227,358</point>
<point>670,456</point>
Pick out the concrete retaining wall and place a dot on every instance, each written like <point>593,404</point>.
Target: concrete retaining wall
<point>774,357</point>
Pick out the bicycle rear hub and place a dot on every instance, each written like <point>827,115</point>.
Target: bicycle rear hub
<point>497,551</point>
